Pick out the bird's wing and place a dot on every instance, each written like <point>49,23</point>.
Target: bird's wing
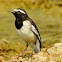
<point>35,30</point>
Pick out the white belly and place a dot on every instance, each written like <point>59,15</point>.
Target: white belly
<point>25,32</point>
<point>27,35</point>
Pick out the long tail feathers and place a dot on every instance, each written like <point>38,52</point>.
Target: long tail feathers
<point>37,46</point>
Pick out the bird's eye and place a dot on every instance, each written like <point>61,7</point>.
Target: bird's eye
<point>18,11</point>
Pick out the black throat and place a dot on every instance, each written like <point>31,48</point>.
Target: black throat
<point>19,19</point>
<point>18,23</point>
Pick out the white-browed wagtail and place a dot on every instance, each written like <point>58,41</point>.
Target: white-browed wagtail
<point>27,30</point>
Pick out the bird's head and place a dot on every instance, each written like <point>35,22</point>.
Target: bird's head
<point>19,13</point>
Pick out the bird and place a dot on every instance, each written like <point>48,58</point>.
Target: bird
<point>27,30</point>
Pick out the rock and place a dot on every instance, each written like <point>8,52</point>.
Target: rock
<point>56,49</point>
<point>52,50</point>
<point>58,45</point>
<point>53,54</point>
<point>2,59</point>
<point>59,50</point>
<point>40,57</point>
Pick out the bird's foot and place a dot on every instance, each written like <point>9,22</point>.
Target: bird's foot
<point>19,56</point>
<point>30,56</point>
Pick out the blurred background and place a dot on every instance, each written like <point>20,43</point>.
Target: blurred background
<point>47,14</point>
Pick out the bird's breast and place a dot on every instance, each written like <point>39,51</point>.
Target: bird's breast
<point>26,34</point>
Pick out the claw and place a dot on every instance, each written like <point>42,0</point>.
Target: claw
<point>19,56</point>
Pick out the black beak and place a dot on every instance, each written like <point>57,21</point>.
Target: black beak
<point>11,10</point>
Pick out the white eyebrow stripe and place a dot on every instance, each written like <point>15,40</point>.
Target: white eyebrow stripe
<point>20,11</point>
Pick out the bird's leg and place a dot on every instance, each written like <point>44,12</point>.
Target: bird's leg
<point>31,52</point>
<point>24,50</point>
